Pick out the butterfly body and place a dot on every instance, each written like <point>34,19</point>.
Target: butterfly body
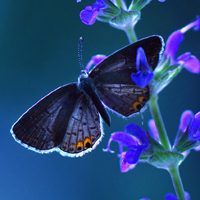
<point>68,119</point>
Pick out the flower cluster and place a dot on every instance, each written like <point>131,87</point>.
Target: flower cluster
<point>171,196</point>
<point>137,142</point>
<point>144,146</point>
<point>152,146</point>
<point>170,66</point>
<point>116,13</point>
<point>108,10</point>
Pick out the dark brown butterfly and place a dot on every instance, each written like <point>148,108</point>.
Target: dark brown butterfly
<point>68,119</point>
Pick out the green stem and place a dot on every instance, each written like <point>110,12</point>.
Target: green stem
<point>131,34</point>
<point>176,179</point>
<point>159,122</point>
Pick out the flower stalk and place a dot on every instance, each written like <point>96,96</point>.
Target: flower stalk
<point>159,122</point>
<point>131,34</point>
<point>176,179</point>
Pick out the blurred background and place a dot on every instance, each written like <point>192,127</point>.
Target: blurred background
<point>38,53</point>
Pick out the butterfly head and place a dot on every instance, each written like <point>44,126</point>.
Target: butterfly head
<point>83,75</point>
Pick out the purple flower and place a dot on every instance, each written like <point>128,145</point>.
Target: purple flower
<point>153,130</point>
<point>194,129</point>
<point>185,120</point>
<point>190,125</point>
<point>144,74</point>
<point>135,139</point>
<point>89,14</point>
<point>170,196</point>
<point>94,61</point>
<point>190,122</point>
<point>104,10</point>
<point>190,62</point>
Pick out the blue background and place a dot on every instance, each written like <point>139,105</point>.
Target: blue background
<point>38,52</point>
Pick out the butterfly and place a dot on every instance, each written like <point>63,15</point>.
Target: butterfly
<point>68,119</point>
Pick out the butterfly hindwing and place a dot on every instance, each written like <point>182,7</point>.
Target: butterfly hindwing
<point>84,129</point>
<point>125,99</point>
<point>112,77</point>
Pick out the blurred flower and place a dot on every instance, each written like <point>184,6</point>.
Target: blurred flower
<point>133,138</point>
<point>190,62</point>
<point>171,196</point>
<point>104,9</point>
<point>194,127</point>
<point>116,13</point>
<point>185,120</point>
<point>153,130</point>
<point>169,66</point>
<point>94,61</point>
<point>144,74</point>
<point>188,135</point>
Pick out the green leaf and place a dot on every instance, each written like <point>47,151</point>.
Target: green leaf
<point>166,160</point>
<point>156,145</point>
<point>138,4</point>
<point>183,143</point>
<point>164,80</point>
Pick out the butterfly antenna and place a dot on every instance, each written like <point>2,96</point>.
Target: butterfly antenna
<point>80,46</point>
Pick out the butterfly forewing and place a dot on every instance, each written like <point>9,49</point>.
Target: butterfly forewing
<point>43,125</point>
<point>112,77</point>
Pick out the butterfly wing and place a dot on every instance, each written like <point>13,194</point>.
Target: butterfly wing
<point>112,77</point>
<point>43,125</point>
<point>84,129</point>
<point>64,120</point>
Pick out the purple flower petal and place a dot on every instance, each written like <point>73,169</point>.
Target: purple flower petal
<point>125,139</point>
<point>88,15</point>
<point>194,127</point>
<point>125,166</point>
<point>137,131</point>
<point>197,148</point>
<point>141,79</point>
<point>143,75</point>
<point>132,156</point>
<point>170,196</point>
<point>187,196</point>
<point>185,120</point>
<point>195,25</point>
<point>94,61</point>
<point>173,43</point>
<point>153,129</point>
<point>98,58</point>
<point>144,199</point>
<point>191,63</point>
